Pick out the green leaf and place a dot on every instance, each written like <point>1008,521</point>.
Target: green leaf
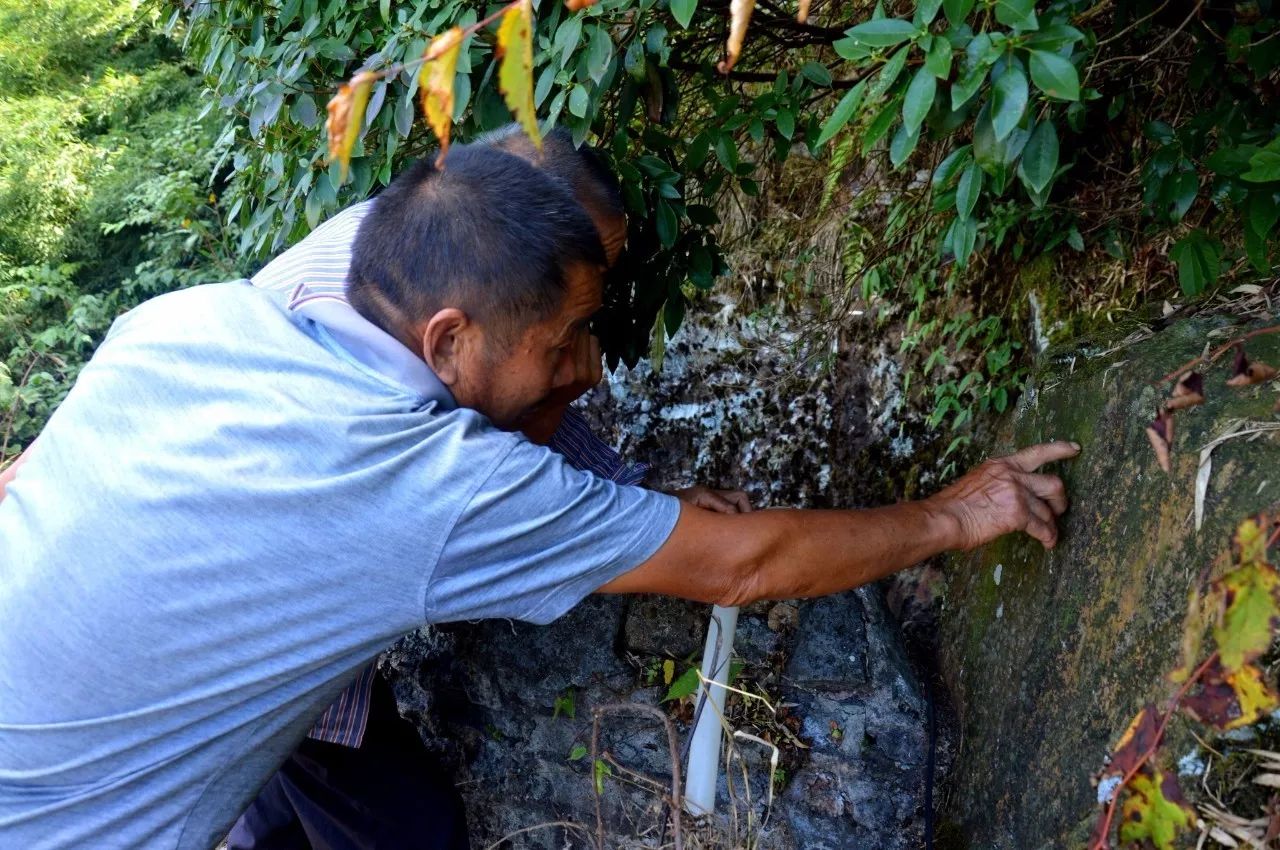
<point>1040,157</point>
<point>667,223</point>
<point>1264,166</point>
<point>1199,261</point>
<point>957,10</point>
<point>682,11</point>
<point>879,126</point>
<point>968,84</point>
<point>786,123</point>
<point>918,100</point>
<point>1263,211</point>
<point>1251,614</point>
<point>578,753</point>
<point>303,111</point>
<point>1018,14</point>
<point>954,161</point>
<point>685,686</point>
<point>567,36</point>
<point>840,116</point>
<point>579,100</point>
<point>599,54</point>
<point>1054,76</point>
<point>889,73</point>
<point>1008,101</point>
<point>816,73</point>
<point>883,32</point>
<point>938,59</point>
<point>967,190</point>
<point>926,11</point>
<point>903,143</point>
<point>1154,811</point>
<point>962,238</point>
<point>599,771</point>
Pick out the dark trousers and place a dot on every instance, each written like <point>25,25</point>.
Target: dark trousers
<point>386,794</point>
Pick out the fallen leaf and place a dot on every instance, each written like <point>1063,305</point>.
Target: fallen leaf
<point>739,16</point>
<point>346,105</point>
<point>1136,742</point>
<point>1246,373</point>
<point>1160,433</point>
<point>435,84</point>
<point>1201,611</point>
<point>1188,392</point>
<point>1155,810</point>
<point>802,15</point>
<point>1250,614</point>
<point>1229,700</point>
<point>515,74</point>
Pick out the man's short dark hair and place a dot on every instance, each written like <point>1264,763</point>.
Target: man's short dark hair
<point>488,233</point>
<point>582,167</point>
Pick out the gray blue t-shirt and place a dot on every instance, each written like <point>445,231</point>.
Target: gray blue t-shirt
<point>225,520</point>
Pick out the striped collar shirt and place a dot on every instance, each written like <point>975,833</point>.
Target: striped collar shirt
<point>314,274</point>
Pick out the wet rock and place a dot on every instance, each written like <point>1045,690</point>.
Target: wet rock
<point>665,627</point>
<point>738,403</point>
<point>1050,654</point>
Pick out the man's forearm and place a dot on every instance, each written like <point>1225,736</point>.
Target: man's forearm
<point>813,553</point>
<point>737,559</point>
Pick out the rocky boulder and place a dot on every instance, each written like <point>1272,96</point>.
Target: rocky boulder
<point>1050,654</point>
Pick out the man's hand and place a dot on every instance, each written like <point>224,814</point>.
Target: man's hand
<point>1006,494</point>
<point>720,501</point>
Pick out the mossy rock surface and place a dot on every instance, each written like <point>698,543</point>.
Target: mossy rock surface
<point>1050,654</point>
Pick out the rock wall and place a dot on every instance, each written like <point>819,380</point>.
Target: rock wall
<point>741,401</point>
<point>1049,655</point>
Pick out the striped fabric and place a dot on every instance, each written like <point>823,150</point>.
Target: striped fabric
<point>316,270</point>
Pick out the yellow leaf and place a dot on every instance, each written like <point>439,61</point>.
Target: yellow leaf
<point>346,114</point>
<point>515,74</point>
<point>1250,615</point>
<point>1201,608</point>
<point>435,82</point>
<point>739,16</point>
<point>1255,698</point>
<point>1154,810</point>
<point>668,671</point>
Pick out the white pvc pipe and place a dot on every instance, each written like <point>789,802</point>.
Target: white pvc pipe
<point>704,751</point>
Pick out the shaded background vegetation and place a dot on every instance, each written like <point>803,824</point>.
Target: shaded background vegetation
<point>890,162</point>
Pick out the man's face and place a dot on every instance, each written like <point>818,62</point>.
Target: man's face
<point>509,380</point>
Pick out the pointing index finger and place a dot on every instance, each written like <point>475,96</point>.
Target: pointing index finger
<point>1033,457</point>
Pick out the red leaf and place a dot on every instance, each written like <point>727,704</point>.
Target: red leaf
<point>1160,433</point>
<point>1188,392</point>
<point>1247,373</point>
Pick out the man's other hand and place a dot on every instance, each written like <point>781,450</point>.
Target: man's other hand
<point>1006,494</point>
<point>720,501</point>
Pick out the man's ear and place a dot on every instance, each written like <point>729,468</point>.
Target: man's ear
<point>444,338</point>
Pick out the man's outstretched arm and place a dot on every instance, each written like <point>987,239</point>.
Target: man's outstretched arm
<point>736,559</point>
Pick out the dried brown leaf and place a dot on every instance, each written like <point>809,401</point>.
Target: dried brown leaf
<point>739,16</point>
<point>1188,392</point>
<point>346,114</point>
<point>435,84</point>
<point>802,15</point>
<point>1160,433</point>
<point>1246,373</point>
<point>515,71</point>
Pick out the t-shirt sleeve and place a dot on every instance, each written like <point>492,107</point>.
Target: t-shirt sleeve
<point>538,536</point>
